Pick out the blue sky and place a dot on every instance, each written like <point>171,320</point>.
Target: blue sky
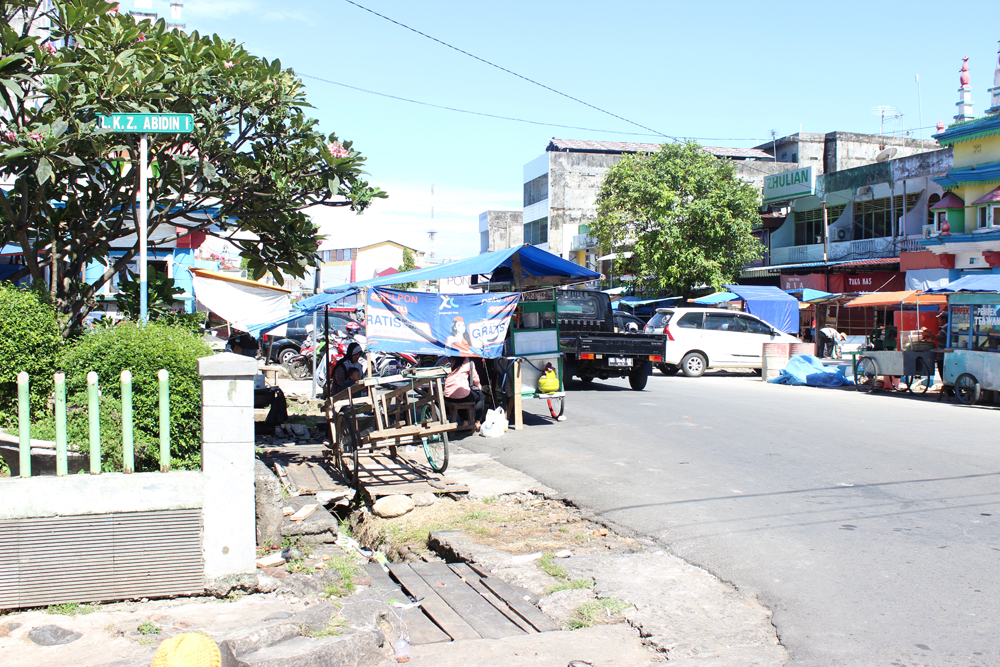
<point>726,73</point>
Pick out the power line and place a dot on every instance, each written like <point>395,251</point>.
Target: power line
<point>504,69</point>
<point>474,113</point>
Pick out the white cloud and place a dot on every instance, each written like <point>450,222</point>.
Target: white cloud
<point>405,217</point>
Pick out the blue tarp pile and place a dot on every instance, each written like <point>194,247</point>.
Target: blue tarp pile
<point>805,369</point>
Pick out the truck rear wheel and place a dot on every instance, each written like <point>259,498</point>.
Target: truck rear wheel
<point>639,375</point>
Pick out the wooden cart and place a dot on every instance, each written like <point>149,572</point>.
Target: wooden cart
<point>904,370</point>
<point>401,410</point>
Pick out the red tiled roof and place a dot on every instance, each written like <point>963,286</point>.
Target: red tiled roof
<point>870,262</point>
<point>989,198</point>
<point>950,200</point>
<point>585,146</point>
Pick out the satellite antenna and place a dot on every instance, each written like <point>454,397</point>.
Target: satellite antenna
<point>882,110</point>
<point>431,249</point>
<point>886,154</point>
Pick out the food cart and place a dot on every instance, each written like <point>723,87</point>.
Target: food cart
<point>910,370</point>
<point>971,359</point>
<point>389,412</point>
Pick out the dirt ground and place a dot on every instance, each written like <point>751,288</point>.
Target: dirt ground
<point>520,523</point>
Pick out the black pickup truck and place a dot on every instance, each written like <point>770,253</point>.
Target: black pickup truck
<point>593,348</point>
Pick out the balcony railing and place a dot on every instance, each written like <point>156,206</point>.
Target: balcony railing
<point>846,250</point>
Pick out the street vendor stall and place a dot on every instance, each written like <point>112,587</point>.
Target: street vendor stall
<point>971,362</point>
<point>908,366</point>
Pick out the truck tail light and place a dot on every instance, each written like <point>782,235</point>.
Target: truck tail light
<point>586,356</point>
<point>655,357</point>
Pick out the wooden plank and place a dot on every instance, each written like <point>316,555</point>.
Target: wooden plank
<point>440,612</point>
<point>476,611</point>
<point>524,609</point>
<point>420,628</point>
<point>518,422</point>
<point>475,581</point>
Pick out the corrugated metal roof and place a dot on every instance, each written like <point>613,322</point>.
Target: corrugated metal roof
<point>869,262</point>
<point>586,146</point>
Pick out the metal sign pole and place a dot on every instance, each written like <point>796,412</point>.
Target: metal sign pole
<point>141,225</point>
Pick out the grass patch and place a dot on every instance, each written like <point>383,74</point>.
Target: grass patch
<point>570,584</point>
<point>478,515</point>
<point>346,568</point>
<point>591,613</point>
<point>582,537</point>
<point>71,609</point>
<point>333,629</point>
<point>489,500</point>
<point>148,628</point>
<point>298,566</point>
<point>548,567</point>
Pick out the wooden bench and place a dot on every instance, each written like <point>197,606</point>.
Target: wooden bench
<point>453,415</point>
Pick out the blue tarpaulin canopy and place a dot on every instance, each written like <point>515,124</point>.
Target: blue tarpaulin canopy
<point>989,282</point>
<point>712,299</point>
<point>535,263</point>
<point>807,294</point>
<point>774,306</point>
<point>303,307</point>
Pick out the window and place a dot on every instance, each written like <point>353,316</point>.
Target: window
<point>536,190</point>
<point>873,218</point>
<point>809,224</point>
<point>931,202</point>
<point>795,157</point>
<point>536,232</point>
<point>752,325</point>
<point>722,322</point>
<point>690,321</point>
<point>942,217</point>
<point>959,335</point>
<point>347,255</point>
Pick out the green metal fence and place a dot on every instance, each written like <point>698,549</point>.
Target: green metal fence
<point>94,415</point>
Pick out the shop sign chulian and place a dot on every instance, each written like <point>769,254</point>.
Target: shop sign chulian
<point>790,184</point>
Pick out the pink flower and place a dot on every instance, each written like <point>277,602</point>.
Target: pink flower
<point>142,37</point>
<point>10,136</point>
<point>49,49</point>
<point>337,150</point>
<point>228,64</point>
<point>36,136</point>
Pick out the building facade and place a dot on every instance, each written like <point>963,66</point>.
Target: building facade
<point>965,231</point>
<point>837,151</point>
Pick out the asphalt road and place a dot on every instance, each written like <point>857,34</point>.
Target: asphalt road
<point>869,524</point>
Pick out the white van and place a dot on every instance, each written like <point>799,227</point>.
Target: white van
<point>703,338</point>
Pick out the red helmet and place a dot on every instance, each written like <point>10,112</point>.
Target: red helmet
<point>353,326</point>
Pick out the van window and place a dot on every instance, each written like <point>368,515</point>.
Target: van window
<point>585,306</point>
<point>753,325</point>
<point>722,322</point>
<point>690,321</point>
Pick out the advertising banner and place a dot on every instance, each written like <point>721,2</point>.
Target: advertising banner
<point>466,325</point>
<point>815,281</point>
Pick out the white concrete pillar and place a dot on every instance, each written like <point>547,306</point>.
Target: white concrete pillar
<point>227,463</point>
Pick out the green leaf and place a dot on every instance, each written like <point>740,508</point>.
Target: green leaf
<point>208,169</point>
<point>73,160</point>
<point>44,170</point>
<point>59,128</point>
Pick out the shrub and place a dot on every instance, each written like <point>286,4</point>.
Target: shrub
<point>143,351</point>
<point>29,341</point>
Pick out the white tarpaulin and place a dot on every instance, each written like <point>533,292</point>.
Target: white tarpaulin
<point>240,302</point>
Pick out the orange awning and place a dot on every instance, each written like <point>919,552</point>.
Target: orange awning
<point>907,297</point>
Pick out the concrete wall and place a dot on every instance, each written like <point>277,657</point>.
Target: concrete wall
<point>574,181</point>
<point>223,490</point>
<point>500,230</point>
<point>846,150</point>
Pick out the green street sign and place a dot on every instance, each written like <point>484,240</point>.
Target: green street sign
<point>148,123</point>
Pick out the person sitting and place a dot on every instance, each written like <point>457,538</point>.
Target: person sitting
<point>462,385</point>
<point>349,363</point>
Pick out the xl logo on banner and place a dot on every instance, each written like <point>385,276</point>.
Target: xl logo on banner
<point>468,325</point>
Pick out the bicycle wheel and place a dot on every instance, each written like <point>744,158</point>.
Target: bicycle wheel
<point>435,446</point>
<point>864,379</point>
<point>967,389</point>
<point>922,380</point>
<point>347,449</point>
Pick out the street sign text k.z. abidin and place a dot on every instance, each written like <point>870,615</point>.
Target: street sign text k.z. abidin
<point>148,123</point>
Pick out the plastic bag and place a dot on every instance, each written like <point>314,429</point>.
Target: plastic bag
<point>495,424</point>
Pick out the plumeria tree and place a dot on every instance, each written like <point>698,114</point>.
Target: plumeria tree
<point>254,161</point>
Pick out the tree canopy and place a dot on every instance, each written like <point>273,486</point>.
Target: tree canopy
<point>684,214</point>
<point>252,164</point>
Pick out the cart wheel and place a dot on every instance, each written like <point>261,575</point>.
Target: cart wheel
<point>864,379</point>
<point>347,449</point>
<point>968,389</point>
<point>435,446</point>
<point>920,382</point>
<point>562,407</point>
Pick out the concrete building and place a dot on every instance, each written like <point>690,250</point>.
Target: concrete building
<point>837,151</point>
<point>341,266</point>
<point>500,229</point>
<point>560,194</point>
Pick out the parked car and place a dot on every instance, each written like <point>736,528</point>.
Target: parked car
<point>702,338</point>
<point>626,323</point>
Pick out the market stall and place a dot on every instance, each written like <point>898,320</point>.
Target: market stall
<point>902,352</point>
<point>971,363</point>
